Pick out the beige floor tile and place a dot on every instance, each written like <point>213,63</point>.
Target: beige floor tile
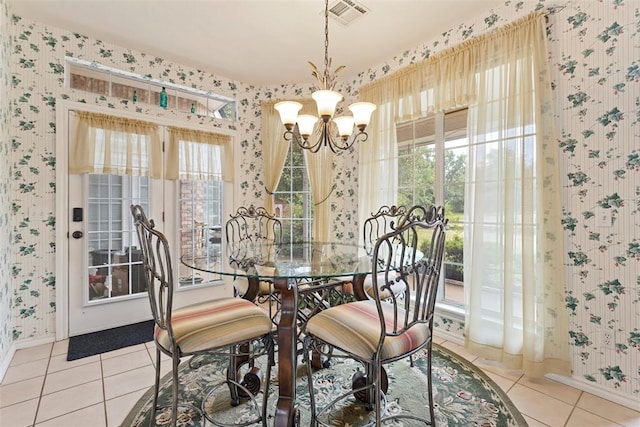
<point>121,351</point>
<point>60,347</point>
<point>126,362</point>
<point>118,408</point>
<point>72,377</point>
<point>534,423</point>
<point>609,410</point>
<point>498,368</point>
<point>60,362</point>
<point>127,382</point>
<point>24,371</point>
<point>19,415</point>
<point>30,354</point>
<point>459,350</point>
<point>582,418</point>
<point>164,359</point>
<point>91,416</point>
<point>504,383</point>
<point>540,406</point>
<point>438,340</point>
<point>69,400</point>
<point>19,392</point>
<point>553,388</point>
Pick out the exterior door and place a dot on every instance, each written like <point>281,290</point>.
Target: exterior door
<point>104,282</point>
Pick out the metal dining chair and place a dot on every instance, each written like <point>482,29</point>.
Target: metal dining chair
<point>385,329</point>
<point>230,327</point>
<point>378,224</point>
<point>254,226</point>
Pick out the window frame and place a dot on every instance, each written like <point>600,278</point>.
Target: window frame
<point>438,141</point>
<point>290,166</point>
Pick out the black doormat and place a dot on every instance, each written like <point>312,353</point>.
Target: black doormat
<point>110,339</point>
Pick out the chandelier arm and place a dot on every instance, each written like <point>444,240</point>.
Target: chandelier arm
<point>302,143</point>
<point>288,135</point>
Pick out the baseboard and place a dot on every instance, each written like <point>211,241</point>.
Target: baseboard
<point>20,344</point>
<point>579,384</point>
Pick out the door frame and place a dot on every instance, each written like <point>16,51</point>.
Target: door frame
<point>63,107</point>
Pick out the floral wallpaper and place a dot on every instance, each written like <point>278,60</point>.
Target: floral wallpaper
<point>594,55</point>
<point>5,183</point>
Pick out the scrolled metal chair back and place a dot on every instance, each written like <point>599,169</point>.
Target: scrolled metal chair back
<point>411,255</point>
<point>251,226</point>
<point>383,221</point>
<point>158,270</point>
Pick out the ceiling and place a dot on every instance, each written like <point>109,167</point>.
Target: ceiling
<point>257,41</point>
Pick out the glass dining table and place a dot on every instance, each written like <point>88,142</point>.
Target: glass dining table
<point>291,267</point>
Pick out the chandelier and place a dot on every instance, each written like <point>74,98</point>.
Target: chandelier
<point>337,133</point>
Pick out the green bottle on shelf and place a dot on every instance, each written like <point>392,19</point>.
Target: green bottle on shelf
<point>193,108</point>
<point>135,96</point>
<point>163,98</point>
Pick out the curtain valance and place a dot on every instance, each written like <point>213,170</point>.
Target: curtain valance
<point>123,146</point>
<point>445,80</point>
<point>195,154</point>
<point>114,145</point>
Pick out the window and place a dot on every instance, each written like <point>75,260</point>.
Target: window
<point>107,81</point>
<point>431,170</point>
<point>293,201</point>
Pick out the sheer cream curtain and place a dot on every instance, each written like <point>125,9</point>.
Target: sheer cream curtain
<point>513,238</point>
<point>114,145</point>
<point>195,154</point>
<point>514,277</point>
<point>321,182</point>
<point>377,170</point>
<point>274,151</point>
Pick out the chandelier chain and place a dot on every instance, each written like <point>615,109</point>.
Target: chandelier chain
<point>326,43</point>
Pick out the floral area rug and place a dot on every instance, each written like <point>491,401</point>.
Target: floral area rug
<point>463,394</point>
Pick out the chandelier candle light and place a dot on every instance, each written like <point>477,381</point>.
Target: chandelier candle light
<point>338,133</point>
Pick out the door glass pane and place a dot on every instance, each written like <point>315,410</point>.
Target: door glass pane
<point>115,261</point>
<point>200,227</point>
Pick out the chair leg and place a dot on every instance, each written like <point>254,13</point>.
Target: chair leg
<point>156,387</point>
<point>377,392</point>
<point>430,389</point>
<point>232,375</point>
<point>270,362</point>
<point>307,355</point>
<point>174,389</point>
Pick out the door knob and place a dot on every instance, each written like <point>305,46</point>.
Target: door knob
<point>77,234</point>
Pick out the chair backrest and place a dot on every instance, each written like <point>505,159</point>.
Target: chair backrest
<point>409,256</point>
<point>247,226</point>
<point>380,223</point>
<point>158,270</point>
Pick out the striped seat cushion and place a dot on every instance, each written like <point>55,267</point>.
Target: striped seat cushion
<point>216,323</point>
<point>242,284</point>
<point>355,327</point>
<point>397,288</point>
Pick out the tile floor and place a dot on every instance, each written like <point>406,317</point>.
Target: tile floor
<point>42,389</point>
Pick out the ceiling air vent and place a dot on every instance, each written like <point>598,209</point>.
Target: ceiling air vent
<point>346,11</point>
